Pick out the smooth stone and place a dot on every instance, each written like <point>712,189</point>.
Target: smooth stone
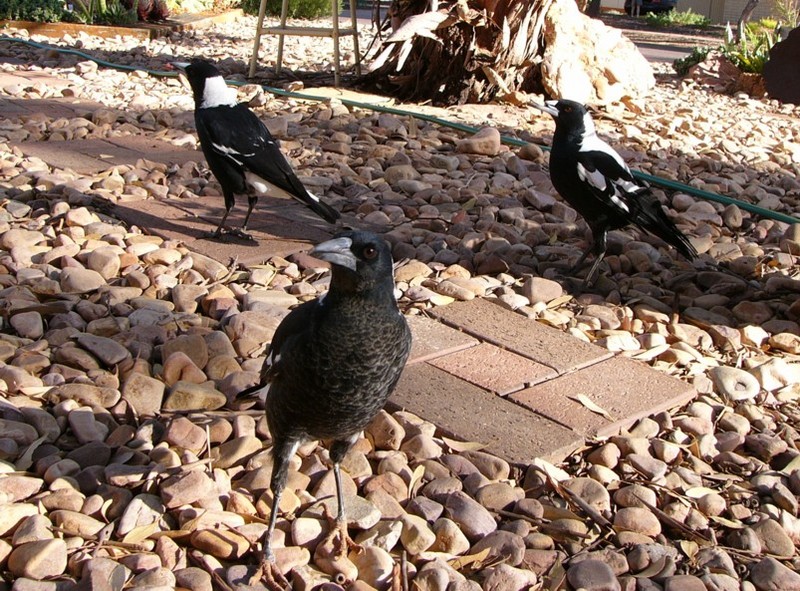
<point>39,560</point>
<point>733,383</point>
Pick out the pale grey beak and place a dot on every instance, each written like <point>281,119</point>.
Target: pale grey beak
<point>337,252</point>
<point>547,107</point>
<point>181,67</point>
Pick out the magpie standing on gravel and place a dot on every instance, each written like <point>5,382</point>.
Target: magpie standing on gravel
<point>239,149</point>
<point>332,364</point>
<point>592,177</point>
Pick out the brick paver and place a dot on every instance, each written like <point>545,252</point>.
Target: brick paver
<point>433,339</point>
<point>507,329</point>
<point>467,412</point>
<point>628,390</point>
<point>478,371</point>
<point>494,369</point>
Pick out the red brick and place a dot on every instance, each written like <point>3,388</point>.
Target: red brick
<point>466,412</point>
<point>628,390</point>
<point>433,339</point>
<point>546,345</point>
<point>493,368</point>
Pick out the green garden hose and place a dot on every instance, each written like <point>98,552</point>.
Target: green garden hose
<point>512,141</point>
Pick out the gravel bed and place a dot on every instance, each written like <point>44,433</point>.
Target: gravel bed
<point>124,461</point>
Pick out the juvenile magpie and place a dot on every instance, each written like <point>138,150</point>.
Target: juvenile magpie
<point>332,364</point>
<point>239,149</point>
<point>592,177</point>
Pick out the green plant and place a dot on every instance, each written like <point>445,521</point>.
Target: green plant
<point>788,12</point>
<point>111,12</point>
<point>42,11</point>
<point>673,18</point>
<point>297,8</point>
<point>751,51</point>
<point>682,65</point>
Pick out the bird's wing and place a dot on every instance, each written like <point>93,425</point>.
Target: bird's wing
<point>295,323</point>
<point>234,133</point>
<point>608,177</point>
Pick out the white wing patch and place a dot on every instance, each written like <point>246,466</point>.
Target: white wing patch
<point>216,94</point>
<point>595,178</point>
<point>231,153</point>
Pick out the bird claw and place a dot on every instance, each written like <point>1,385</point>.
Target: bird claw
<point>240,233</point>
<point>270,576</point>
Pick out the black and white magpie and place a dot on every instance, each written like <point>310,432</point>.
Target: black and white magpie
<point>332,364</point>
<point>592,177</point>
<point>239,149</point>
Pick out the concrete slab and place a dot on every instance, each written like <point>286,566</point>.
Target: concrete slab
<point>464,411</point>
<point>628,390</point>
<point>489,322</point>
<point>494,369</point>
<point>433,339</point>
<point>190,220</point>
<point>62,155</point>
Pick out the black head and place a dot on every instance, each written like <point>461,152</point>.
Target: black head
<point>360,261</point>
<point>197,73</point>
<point>569,115</point>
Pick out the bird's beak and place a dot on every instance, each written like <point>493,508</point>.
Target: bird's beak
<point>548,107</point>
<point>181,67</point>
<point>337,252</point>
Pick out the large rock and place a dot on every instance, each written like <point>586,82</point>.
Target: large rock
<point>588,62</point>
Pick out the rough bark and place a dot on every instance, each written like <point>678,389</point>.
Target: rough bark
<point>747,12</point>
<point>461,50</point>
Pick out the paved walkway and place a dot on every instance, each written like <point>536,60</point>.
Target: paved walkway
<point>478,371</point>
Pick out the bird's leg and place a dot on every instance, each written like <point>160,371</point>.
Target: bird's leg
<point>218,232</point>
<point>344,543</point>
<point>598,247</point>
<point>251,203</point>
<point>268,570</point>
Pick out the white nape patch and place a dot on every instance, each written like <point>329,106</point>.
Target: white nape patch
<point>217,94</point>
<point>590,142</point>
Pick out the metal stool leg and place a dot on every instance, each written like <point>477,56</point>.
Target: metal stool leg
<point>284,12</point>
<point>262,9</point>
<point>354,23</point>
<point>336,67</point>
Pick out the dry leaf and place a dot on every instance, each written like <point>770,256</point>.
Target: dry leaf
<point>555,303</point>
<point>554,473</point>
<point>587,402</point>
<point>689,548</point>
<point>141,533</point>
<point>465,561</point>
<point>459,446</point>
<point>25,461</point>
<point>416,478</point>
<point>726,522</point>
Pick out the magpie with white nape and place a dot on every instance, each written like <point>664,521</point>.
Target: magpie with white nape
<point>239,149</point>
<point>592,177</point>
<point>331,366</point>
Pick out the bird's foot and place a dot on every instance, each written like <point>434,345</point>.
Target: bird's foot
<point>218,234</point>
<point>241,233</point>
<point>270,575</point>
<point>331,556</point>
<point>342,542</point>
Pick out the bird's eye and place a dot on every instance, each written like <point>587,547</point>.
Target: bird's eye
<point>370,252</point>
<point>568,109</point>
